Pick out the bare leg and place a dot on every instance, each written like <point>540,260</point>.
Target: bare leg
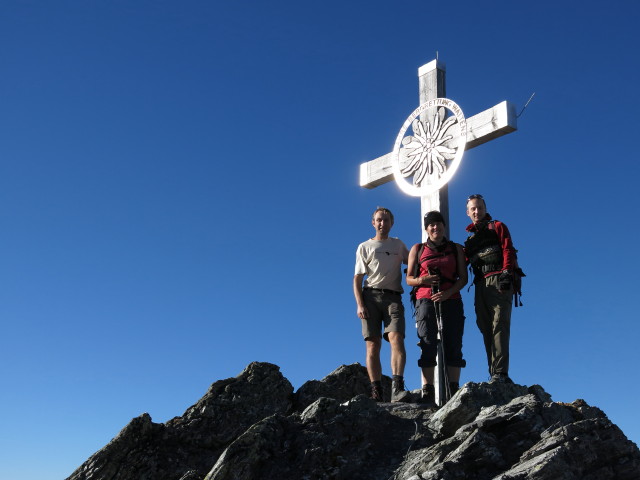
<point>398,353</point>
<point>428,375</point>
<point>374,367</point>
<point>454,374</point>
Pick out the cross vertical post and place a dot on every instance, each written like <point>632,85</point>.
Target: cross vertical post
<point>431,81</point>
<point>480,128</point>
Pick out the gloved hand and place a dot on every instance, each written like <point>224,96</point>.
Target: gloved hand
<point>504,281</point>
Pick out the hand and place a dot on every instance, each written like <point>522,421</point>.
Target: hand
<point>430,280</point>
<point>441,296</point>
<point>363,312</point>
<point>504,282</point>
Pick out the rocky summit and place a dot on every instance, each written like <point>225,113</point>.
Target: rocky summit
<point>254,426</point>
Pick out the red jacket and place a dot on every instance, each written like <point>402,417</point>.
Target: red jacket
<point>508,251</point>
<point>446,261</point>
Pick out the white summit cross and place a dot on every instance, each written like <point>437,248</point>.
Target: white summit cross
<point>433,152</point>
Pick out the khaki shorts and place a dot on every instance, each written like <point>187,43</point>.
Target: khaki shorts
<point>385,309</point>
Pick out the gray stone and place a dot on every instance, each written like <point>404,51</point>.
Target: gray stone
<point>467,403</point>
<point>253,427</point>
<point>357,439</point>
<point>344,383</point>
<point>526,438</point>
<point>187,446</point>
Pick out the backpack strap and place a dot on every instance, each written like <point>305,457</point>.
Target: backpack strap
<point>453,250</point>
<point>416,271</point>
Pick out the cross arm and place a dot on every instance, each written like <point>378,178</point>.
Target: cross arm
<point>481,128</point>
<point>492,123</point>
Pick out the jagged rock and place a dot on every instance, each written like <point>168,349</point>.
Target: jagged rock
<point>186,447</point>
<point>190,475</point>
<point>526,438</point>
<point>253,427</point>
<point>468,402</point>
<point>590,449</point>
<point>357,439</point>
<point>344,383</point>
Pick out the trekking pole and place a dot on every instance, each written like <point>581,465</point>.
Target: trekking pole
<point>444,391</point>
<point>442,360</point>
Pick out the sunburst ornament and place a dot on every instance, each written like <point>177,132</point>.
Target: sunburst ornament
<point>433,152</point>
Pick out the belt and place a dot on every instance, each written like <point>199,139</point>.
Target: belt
<point>382,290</point>
<point>490,268</point>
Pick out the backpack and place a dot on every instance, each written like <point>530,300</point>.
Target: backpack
<point>517,275</point>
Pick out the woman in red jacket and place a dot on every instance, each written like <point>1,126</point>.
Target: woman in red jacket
<point>441,275</point>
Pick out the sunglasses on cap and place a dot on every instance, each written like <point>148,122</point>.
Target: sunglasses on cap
<point>475,196</point>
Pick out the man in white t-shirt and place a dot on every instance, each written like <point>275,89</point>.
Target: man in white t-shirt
<point>379,302</point>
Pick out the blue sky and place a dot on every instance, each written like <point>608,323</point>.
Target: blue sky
<point>179,197</point>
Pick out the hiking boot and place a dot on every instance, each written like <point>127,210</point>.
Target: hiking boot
<point>428,396</point>
<point>398,392</point>
<point>500,378</point>
<point>376,391</point>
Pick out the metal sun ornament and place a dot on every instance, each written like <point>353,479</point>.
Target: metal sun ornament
<point>434,152</point>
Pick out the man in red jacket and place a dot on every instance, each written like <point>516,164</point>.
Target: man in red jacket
<point>492,256</point>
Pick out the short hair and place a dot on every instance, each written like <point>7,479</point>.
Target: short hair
<point>383,210</point>
<point>477,196</point>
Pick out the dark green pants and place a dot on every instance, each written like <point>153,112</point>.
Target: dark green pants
<point>493,317</point>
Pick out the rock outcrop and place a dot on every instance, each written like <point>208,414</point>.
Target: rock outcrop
<point>254,427</point>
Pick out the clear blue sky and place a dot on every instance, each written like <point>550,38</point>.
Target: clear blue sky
<point>179,197</point>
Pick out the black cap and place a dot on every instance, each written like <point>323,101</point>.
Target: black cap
<point>433,217</point>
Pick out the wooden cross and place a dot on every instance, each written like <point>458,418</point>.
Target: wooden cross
<point>492,123</point>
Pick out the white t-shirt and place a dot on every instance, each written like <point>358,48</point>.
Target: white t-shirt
<point>381,261</point>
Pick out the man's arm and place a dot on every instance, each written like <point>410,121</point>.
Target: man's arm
<point>508,250</point>
<point>357,292</point>
<point>508,258</point>
<point>411,266</point>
